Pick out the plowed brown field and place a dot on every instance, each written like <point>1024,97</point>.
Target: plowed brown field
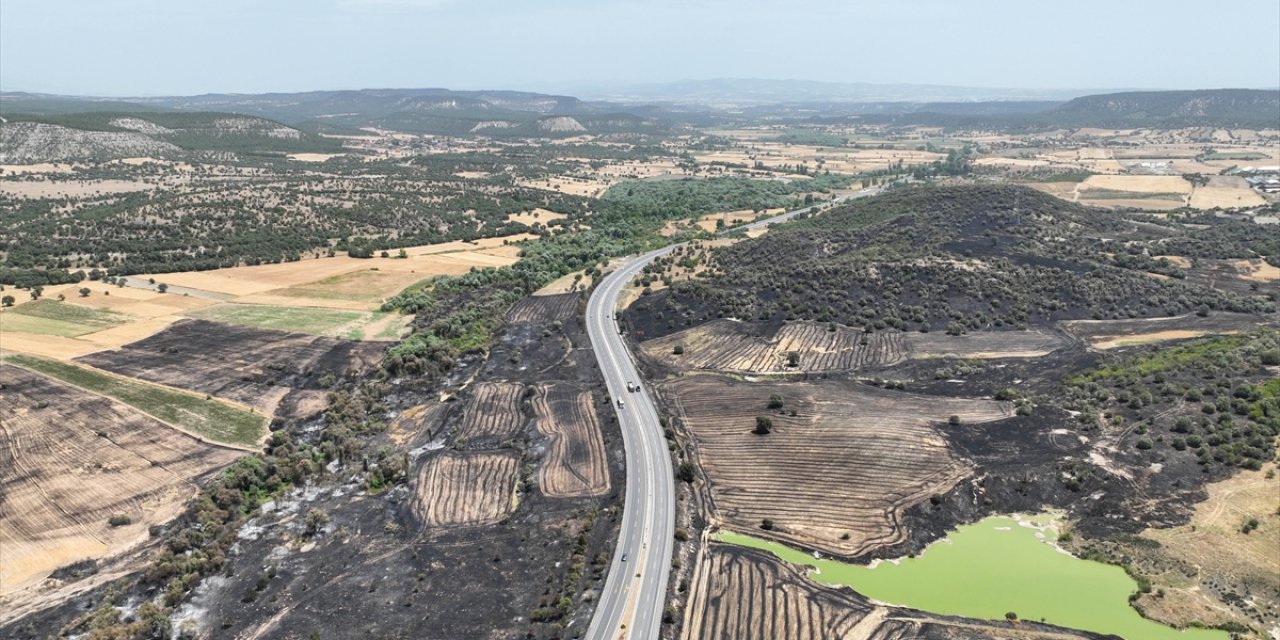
<point>837,475</point>
<point>575,465</point>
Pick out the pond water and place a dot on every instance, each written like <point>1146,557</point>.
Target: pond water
<point>995,566</point>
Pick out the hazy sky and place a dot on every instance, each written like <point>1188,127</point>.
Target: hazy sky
<point>170,47</point>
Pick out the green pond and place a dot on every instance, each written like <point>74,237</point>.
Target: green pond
<point>995,566</point>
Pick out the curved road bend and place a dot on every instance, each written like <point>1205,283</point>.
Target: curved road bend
<point>631,602</point>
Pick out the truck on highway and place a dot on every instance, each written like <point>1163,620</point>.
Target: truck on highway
<point>621,404</point>
<point>633,387</point>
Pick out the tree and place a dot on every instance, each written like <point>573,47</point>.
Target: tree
<point>763,425</point>
<point>7,301</point>
<point>775,401</point>
<point>953,420</point>
<point>686,472</point>
<point>793,359</point>
<point>84,292</point>
<point>162,287</point>
<point>36,292</point>
<point>766,524</point>
<point>679,350</point>
<point>315,521</point>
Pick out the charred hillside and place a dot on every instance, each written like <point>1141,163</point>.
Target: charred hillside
<point>955,259</point>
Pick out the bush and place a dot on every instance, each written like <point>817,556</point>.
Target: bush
<point>119,520</point>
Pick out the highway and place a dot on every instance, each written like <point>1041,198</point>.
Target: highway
<point>631,603</point>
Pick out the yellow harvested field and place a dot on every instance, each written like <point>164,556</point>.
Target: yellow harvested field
<point>71,460</point>
<point>1180,262</point>
<point>149,312</point>
<point>308,276</point>
<point>42,167</point>
<point>1011,162</point>
<point>1257,270</point>
<point>537,215</point>
<point>56,347</point>
<point>1225,192</point>
<point>71,188</point>
<point>1155,336</point>
<point>314,157</point>
<point>339,282</point>
<point>1139,184</point>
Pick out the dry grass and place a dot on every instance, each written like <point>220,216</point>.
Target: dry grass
<point>1257,270</point>
<point>1225,192</point>
<point>537,215</point>
<point>1215,547</point>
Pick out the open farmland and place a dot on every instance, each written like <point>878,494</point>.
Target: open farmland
<point>204,417</point>
<point>334,323</point>
<point>51,317</point>
<point>725,345</point>
<point>492,414</point>
<point>472,488</point>
<point>71,461</point>
<point>275,372</point>
<point>1110,334</point>
<point>575,465</point>
<point>339,281</point>
<point>744,594</point>
<point>834,476</point>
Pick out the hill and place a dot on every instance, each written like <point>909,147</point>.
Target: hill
<point>1215,107</point>
<point>1243,108</point>
<point>120,134</point>
<point>962,258</point>
<point>427,111</point>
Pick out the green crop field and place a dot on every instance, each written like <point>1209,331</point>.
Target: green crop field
<point>54,318</point>
<point>208,417</point>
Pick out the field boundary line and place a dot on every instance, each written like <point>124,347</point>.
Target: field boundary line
<point>203,439</point>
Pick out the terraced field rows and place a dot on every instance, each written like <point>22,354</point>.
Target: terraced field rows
<point>492,412</point>
<point>575,466</point>
<point>838,474</point>
<point>544,309</point>
<point>745,594</point>
<point>742,594</point>
<point>724,346</point>
<point>70,460</point>
<point>471,488</point>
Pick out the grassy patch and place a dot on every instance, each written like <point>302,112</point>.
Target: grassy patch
<point>324,322</point>
<point>208,417</point>
<point>54,318</point>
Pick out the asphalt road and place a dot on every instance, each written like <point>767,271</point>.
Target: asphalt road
<point>631,602</point>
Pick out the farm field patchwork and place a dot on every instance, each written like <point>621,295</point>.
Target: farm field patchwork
<point>83,475</point>
<point>275,372</point>
<point>206,417</point>
<point>840,464</point>
<point>334,323</point>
